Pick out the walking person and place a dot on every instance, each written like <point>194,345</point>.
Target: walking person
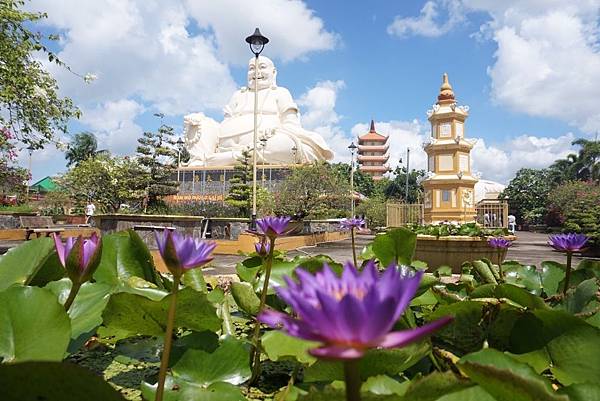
<point>89,212</point>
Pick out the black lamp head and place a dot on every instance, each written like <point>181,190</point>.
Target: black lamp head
<point>257,42</point>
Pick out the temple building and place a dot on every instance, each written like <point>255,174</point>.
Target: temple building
<point>449,186</point>
<point>373,153</point>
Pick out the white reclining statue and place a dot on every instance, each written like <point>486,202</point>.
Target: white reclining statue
<point>216,144</point>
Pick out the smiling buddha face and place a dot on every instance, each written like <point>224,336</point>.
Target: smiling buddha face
<point>266,73</point>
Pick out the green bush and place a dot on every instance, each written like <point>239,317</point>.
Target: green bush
<point>451,229</point>
<point>576,204</point>
<point>374,211</point>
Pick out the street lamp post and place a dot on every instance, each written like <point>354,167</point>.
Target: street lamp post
<point>179,149</point>
<point>352,148</point>
<point>30,148</point>
<point>407,167</point>
<point>257,43</point>
<point>263,145</point>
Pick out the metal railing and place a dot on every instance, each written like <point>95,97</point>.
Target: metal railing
<point>401,214</point>
<point>492,213</point>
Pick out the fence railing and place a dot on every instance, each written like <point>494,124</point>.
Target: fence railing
<point>492,213</point>
<point>401,214</point>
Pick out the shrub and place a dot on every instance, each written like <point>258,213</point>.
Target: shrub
<point>576,204</point>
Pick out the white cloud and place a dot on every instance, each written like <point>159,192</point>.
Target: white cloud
<point>318,114</point>
<point>429,23</point>
<point>548,59</point>
<point>293,28</point>
<point>114,126</point>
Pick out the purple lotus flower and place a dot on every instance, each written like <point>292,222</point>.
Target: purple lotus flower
<point>351,313</point>
<point>262,248</point>
<point>182,253</point>
<point>273,227</point>
<point>568,242</point>
<point>499,243</point>
<point>80,257</point>
<point>348,224</point>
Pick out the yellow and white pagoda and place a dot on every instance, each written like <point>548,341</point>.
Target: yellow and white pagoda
<point>449,186</point>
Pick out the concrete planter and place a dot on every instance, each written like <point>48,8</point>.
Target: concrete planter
<point>454,251</point>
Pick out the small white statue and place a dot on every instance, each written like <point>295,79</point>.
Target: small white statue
<point>220,144</point>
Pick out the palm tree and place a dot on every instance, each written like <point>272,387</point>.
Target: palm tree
<point>83,146</point>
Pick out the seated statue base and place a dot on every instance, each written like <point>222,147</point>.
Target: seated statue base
<point>212,184</point>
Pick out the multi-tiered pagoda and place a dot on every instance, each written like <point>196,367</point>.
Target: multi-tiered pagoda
<point>373,153</point>
<point>449,194</point>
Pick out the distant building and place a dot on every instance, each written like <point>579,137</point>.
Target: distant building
<point>373,153</point>
<point>449,187</point>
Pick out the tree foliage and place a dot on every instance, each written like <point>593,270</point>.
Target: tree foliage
<point>315,191</point>
<point>30,104</point>
<point>12,177</point>
<point>240,191</point>
<point>363,182</point>
<point>575,205</point>
<point>158,157</point>
<point>396,188</point>
<point>108,181</point>
<point>585,165</point>
<point>83,146</point>
<point>527,194</point>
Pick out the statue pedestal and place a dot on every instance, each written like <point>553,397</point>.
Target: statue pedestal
<point>211,184</point>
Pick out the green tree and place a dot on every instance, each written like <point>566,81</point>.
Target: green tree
<point>396,188</point>
<point>527,194</point>
<point>576,205</point>
<point>316,191</point>
<point>29,101</point>
<point>157,155</point>
<point>13,179</point>
<point>83,146</point>
<point>240,190</point>
<point>363,183</point>
<point>585,165</point>
<point>108,181</point>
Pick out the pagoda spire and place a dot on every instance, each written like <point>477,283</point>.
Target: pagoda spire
<point>372,126</point>
<point>446,93</point>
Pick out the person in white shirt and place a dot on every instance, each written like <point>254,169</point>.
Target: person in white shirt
<point>89,211</point>
<point>512,223</point>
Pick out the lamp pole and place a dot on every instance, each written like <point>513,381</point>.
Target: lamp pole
<point>257,43</point>
<point>407,167</point>
<point>30,148</point>
<point>352,148</point>
<point>179,148</point>
<point>263,143</point>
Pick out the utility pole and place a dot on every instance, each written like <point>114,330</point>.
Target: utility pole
<point>407,170</point>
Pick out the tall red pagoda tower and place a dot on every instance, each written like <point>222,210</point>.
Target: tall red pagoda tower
<point>373,153</point>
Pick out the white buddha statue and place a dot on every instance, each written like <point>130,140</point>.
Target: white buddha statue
<point>285,142</point>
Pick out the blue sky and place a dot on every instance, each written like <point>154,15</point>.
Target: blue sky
<point>529,88</point>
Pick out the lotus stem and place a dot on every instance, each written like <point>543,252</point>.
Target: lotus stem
<point>353,246</point>
<point>568,272</point>
<point>500,271</point>
<point>164,361</point>
<point>72,294</point>
<point>255,353</point>
<point>352,378</point>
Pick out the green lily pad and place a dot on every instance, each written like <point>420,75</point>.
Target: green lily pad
<point>20,264</point>
<point>278,345</point>
<point>53,381</point>
<point>33,325</point>
<point>396,246</point>
<point>129,314</point>
<point>507,379</point>
<point>575,355</point>
<point>245,297</point>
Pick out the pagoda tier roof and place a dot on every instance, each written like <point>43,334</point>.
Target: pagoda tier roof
<point>381,169</point>
<point>372,135</point>
<point>373,158</point>
<point>373,148</point>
